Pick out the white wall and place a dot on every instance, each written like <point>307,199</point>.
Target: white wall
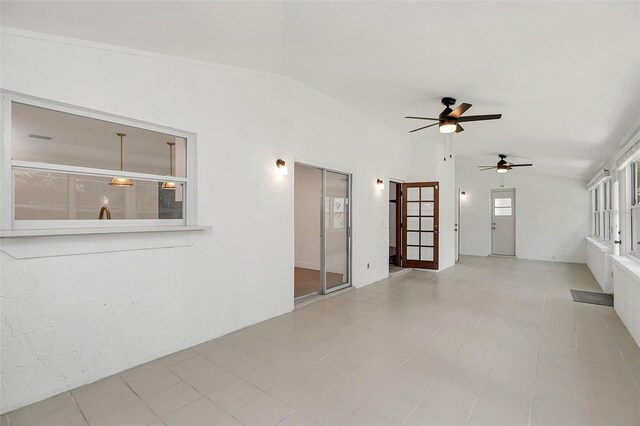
<point>626,273</point>
<point>68,321</point>
<point>552,213</point>
<point>308,194</point>
<point>600,263</point>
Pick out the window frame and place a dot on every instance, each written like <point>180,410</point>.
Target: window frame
<point>7,166</point>
<point>596,212</point>
<point>634,204</point>
<point>607,210</point>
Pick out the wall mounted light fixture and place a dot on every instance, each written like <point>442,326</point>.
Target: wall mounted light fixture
<point>121,181</point>
<point>380,183</point>
<point>281,167</point>
<point>463,195</point>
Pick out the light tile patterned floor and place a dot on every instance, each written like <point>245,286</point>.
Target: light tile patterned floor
<point>491,341</point>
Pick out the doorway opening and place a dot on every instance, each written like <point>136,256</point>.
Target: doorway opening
<point>322,209</point>
<point>395,226</point>
<point>503,222</point>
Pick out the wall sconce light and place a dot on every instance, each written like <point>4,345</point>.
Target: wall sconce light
<point>463,195</point>
<point>281,167</point>
<point>380,183</point>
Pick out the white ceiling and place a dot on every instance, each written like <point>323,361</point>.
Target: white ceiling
<point>565,75</point>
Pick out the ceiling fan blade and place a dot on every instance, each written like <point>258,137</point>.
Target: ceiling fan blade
<point>520,165</point>
<point>480,117</point>
<point>424,118</point>
<point>459,128</point>
<point>488,168</point>
<point>420,128</point>
<point>456,113</point>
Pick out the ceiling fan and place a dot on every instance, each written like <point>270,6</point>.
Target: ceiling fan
<point>448,120</point>
<point>503,165</point>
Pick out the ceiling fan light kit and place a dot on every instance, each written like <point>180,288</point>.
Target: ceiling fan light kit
<point>449,120</point>
<point>503,165</point>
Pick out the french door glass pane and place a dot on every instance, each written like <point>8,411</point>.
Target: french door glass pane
<point>336,229</point>
<point>413,194</point>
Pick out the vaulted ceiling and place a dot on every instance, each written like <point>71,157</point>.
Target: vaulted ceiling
<point>565,75</point>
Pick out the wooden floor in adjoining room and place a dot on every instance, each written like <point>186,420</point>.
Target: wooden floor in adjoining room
<point>307,281</point>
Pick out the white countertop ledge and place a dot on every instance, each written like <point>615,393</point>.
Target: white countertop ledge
<point>601,246</point>
<point>22,233</point>
<point>631,265</point>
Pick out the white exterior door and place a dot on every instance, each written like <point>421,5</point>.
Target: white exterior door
<point>503,222</point>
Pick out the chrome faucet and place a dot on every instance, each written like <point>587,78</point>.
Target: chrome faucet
<point>104,211</point>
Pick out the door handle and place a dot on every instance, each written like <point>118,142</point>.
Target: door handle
<point>617,242</point>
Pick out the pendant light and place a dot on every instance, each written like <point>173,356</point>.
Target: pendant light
<point>167,184</point>
<point>121,181</point>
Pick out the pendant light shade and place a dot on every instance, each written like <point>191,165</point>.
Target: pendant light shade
<point>168,184</point>
<point>121,181</point>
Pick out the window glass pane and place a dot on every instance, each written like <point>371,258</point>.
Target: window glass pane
<point>636,181</point>
<point>502,202</point>
<point>48,136</point>
<point>635,230</point>
<point>503,211</point>
<point>43,195</point>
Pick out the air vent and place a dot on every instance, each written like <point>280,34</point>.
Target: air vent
<point>46,138</point>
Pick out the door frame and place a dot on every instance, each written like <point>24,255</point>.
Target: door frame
<point>398,224</point>
<point>323,275</point>
<point>436,223</point>
<point>515,218</point>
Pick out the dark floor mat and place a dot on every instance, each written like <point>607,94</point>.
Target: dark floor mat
<point>592,297</point>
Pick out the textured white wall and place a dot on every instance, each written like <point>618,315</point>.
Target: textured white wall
<point>552,213</point>
<point>68,321</point>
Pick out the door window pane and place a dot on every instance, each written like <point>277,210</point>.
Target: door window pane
<point>413,253</point>
<point>413,194</point>
<point>426,223</point>
<point>413,209</point>
<point>502,211</point>
<point>426,253</point>
<point>413,238</point>
<point>427,209</point>
<point>426,193</point>
<point>502,202</point>
<point>427,238</point>
<point>413,224</point>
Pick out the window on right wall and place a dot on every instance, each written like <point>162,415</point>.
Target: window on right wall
<point>634,243</point>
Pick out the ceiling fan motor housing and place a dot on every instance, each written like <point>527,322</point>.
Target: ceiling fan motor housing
<point>447,101</point>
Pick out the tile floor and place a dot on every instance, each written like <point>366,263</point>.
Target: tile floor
<point>491,341</point>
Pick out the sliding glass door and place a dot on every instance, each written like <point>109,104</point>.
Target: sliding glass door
<point>336,239</point>
<point>322,231</point>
